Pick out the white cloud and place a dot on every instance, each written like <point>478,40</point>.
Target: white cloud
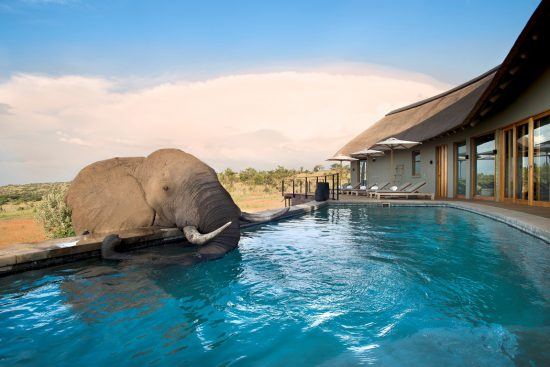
<point>56,125</point>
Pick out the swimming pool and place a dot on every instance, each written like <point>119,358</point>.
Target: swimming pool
<point>344,285</point>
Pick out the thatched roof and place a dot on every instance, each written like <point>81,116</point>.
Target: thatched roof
<point>425,119</point>
<point>527,59</point>
<point>470,102</point>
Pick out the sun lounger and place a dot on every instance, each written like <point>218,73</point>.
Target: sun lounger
<point>397,189</point>
<point>409,192</point>
<point>374,188</point>
<point>348,189</point>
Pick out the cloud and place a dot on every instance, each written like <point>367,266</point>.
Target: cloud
<point>56,125</point>
<point>66,138</point>
<point>4,109</point>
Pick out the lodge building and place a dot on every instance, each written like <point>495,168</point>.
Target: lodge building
<point>487,139</point>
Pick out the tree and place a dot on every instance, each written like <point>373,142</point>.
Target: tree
<point>54,214</point>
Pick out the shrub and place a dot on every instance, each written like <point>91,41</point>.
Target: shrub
<point>54,214</point>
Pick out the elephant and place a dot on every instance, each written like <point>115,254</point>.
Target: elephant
<point>169,188</point>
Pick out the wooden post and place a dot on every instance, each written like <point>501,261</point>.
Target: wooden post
<point>293,193</point>
<point>338,186</point>
<point>333,187</point>
<point>283,188</point>
<point>306,187</point>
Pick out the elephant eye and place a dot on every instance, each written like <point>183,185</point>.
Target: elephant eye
<point>165,188</point>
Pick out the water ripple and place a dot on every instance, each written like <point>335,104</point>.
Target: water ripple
<point>342,286</point>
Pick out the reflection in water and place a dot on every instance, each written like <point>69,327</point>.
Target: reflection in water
<point>342,286</point>
<point>141,282</point>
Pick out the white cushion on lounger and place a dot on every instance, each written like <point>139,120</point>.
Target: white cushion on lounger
<point>349,187</point>
<point>363,187</point>
<point>393,188</point>
<point>374,187</point>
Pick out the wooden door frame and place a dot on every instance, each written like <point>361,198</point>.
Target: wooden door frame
<point>441,150</point>
<point>502,165</point>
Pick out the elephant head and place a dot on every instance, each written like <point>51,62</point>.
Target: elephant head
<point>169,188</point>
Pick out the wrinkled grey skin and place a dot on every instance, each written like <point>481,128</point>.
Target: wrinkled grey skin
<point>169,188</point>
<point>184,191</point>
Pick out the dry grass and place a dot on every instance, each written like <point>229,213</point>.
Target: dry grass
<point>17,222</point>
<point>19,211</point>
<point>255,198</point>
<point>20,230</point>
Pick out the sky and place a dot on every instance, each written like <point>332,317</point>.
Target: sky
<point>237,83</point>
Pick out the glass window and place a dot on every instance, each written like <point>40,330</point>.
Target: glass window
<point>485,165</point>
<point>363,173</point>
<point>541,159</point>
<point>416,163</point>
<point>522,162</point>
<point>461,169</point>
<point>509,163</point>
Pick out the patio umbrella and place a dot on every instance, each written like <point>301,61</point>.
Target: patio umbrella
<point>342,158</point>
<point>393,143</point>
<point>366,153</point>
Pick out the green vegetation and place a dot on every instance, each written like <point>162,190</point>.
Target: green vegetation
<point>271,180</point>
<point>54,214</point>
<point>20,212</point>
<point>251,189</point>
<point>24,194</point>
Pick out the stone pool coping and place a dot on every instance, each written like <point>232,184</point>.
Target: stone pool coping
<point>27,256</point>
<point>20,257</point>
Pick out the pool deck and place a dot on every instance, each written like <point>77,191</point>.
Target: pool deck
<point>27,256</point>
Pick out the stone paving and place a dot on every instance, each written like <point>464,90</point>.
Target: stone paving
<point>26,256</point>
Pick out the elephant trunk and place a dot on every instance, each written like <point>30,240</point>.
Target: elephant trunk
<point>215,209</point>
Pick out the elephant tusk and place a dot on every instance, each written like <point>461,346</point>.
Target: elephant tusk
<point>263,217</point>
<point>196,238</point>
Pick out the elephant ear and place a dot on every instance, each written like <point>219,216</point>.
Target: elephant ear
<point>106,197</point>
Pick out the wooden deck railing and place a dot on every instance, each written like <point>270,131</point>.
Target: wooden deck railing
<point>306,186</point>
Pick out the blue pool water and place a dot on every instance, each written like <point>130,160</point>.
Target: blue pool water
<point>342,286</point>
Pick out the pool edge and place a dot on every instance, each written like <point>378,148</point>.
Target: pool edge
<point>527,223</point>
<point>20,257</point>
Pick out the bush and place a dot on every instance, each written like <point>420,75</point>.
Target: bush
<point>54,214</point>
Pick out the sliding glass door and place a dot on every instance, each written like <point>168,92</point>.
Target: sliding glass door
<point>509,164</point>
<point>522,162</point>
<point>484,166</point>
<point>461,169</point>
<point>541,160</point>
<point>526,162</point>
<point>363,172</point>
